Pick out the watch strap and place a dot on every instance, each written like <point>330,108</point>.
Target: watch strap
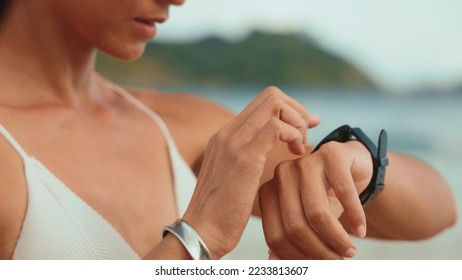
<point>378,176</point>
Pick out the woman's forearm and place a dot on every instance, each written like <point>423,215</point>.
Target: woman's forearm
<point>416,203</point>
<point>170,248</point>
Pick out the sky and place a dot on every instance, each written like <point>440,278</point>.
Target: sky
<point>400,44</point>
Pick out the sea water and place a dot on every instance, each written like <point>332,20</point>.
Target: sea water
<point>425,125</point>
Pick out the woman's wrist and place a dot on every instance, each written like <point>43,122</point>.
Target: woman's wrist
<point>362,167</point>
<point>215,245</point>
<point>190,239</point>
<point>170,248</point>
<point>359,166</point>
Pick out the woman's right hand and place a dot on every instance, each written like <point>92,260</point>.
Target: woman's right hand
<point>234,161</point>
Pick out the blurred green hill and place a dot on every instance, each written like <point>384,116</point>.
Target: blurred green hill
<point>259,59</point>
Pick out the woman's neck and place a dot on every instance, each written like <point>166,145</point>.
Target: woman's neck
<point>42,61</point>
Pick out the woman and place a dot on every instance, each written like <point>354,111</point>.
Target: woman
<point>90,171</point>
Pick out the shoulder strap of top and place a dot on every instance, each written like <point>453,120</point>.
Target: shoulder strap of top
<point>184,179</point>
<point>13,143</point>
<point>140,105</point>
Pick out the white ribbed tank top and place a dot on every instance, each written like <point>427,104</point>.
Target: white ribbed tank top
<point>59,225</point>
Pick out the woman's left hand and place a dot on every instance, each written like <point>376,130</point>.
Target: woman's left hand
<point>301,205</point>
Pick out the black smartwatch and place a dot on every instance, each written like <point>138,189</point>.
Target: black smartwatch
<point>378,154</point>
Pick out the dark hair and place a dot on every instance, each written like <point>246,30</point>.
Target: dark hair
<point>3,4</point>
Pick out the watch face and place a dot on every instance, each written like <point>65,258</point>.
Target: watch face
<point>376,185</point>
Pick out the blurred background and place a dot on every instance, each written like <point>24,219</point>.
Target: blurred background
<point>373,64</point>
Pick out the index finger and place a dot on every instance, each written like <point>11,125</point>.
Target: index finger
<point>276,93</point>
<point>338,174</point>
<point>321,216</point>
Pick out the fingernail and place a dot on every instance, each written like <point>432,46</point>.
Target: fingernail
<point>350,253</point>
<point>361,231</point>
<point>315,117</point>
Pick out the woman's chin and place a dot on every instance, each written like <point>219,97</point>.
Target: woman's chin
<point>131,53</point>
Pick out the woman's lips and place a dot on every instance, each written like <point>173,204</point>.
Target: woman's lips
<point>146,21</point>
<point>145,27</point>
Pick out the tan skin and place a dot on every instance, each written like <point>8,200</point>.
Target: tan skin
<point>123,154</point>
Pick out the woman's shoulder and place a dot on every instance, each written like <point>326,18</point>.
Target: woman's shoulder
<point>191,119</point>
<point>184,109</point>
<point>183,106</point>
